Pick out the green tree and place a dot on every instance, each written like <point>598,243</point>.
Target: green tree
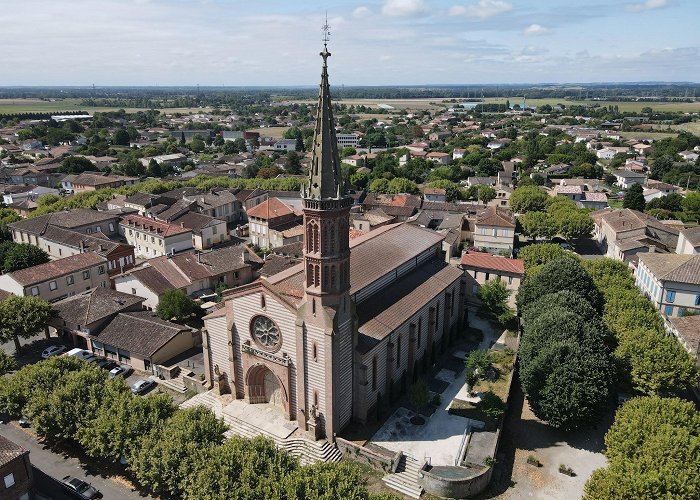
<point>573,224</point>
<point>486,193</point>
<point>494,294</point>
<point>653,451</point>
<point>121,137</point>
<point>292,163</point>
<point>418,394</point>
<point>359,180</point>
<point>197,145</point>
<point>537,225</point>
<point>22,317</point>
<point>7,363</point>
<point>540,253</point>
<point>166,456</point>
<point>634,198</point>
<point>118,426</point>
<point>22,256</point>
<point>175,305</point>
<point>492,405</point>
<point>478,361</point>
<point>564,273</point>
<point>76,165</point>
<point>452,189</point>
<point>528,199</point>
<point>379,186</point>
<point>399,185</point>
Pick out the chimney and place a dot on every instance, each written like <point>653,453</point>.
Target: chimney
<point>652,248</point>
<point>182,224</point>
<point>82,246</point>
<point>101,247</point>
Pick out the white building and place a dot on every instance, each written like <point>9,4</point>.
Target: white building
<point>671,282</point>
<point>347,140</point>
<point>152,238</point>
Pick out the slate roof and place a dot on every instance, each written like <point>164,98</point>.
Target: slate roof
<point>10,451</point>
<point>94,305</point>
<point>391,307</point>
<point>140,332</point>
<point>486,261</point>
<point>175,209</point>
<point>684,268</point>
<point>142,199</point>
<point>57,268</point>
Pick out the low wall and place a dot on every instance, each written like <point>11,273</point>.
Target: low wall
<point>387,462</point>
<point>193,383</point>
<point>455,482</point>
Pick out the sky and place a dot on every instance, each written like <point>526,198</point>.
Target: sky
<point>380,42</point>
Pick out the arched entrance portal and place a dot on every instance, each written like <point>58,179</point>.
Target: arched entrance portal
<point>263,386</point>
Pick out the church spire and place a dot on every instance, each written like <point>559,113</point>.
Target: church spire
<point>325,177</point>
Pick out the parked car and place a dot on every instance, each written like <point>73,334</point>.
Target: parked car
<point>53,350</point>
<point>141,386</point>
<point>120,371</point>
<point>79,488</point>
<point>563,243</point>
<point>107,364</point>
<point>79,353</point>
<point>24,422</point>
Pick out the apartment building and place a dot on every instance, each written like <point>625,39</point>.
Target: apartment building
<point>671,282</point>
<point>153,238</point>
<point>58,279</point>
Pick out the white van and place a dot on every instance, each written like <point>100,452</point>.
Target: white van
<point>79,353</point>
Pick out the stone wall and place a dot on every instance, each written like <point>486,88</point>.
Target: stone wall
<point>386,462</point>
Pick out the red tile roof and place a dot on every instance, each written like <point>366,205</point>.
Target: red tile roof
<point>270,209</point>
<point>57,268</point>
<point>147,224</point>
<point>484,260</point>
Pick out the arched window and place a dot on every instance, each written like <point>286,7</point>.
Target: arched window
<point>331,230</point>
<point>309,275</point>
<point>262,300</point>
<point>315,351</point>
<point>317,275</point>
<point>325,276</point>
<point>324,249</point>
<point>333,277</point>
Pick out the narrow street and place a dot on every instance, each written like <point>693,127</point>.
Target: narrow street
<point>50,467</point>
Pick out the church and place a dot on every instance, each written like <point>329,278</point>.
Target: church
<point>330,339</point>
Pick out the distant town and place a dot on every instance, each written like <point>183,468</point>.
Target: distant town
<point>442,296</point>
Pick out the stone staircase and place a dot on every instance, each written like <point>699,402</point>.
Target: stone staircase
<point>405,479</point>
<point>175,384</point>
<point>306,450</point>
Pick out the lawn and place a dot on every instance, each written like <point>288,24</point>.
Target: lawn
<point>11,106</point>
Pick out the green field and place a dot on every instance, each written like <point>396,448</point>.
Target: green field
<point>622,105</point>
<point>11,106</point>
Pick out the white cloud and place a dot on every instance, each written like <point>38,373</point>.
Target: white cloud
<point>403,8</point>
<point>361,12</point>
<point>481,9</point>
<point>648,5</point>
<point>534,30</point>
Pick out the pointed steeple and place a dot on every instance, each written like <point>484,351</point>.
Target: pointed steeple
<point>325,178</point>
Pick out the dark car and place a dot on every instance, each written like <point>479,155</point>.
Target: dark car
<point>79,489</point>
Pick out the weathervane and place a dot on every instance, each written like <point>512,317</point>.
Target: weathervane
<point>326,36</point>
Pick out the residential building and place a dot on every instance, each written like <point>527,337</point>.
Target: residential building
<point>624,233</point>
<point>689,241</point>
<point>219,203</point>
<point>370,220</point>
<point>479,267</point>
<point>671,282</point>
<point>626,178</point>
<point>16,472</point>
<point>583,199</point>
<point>59,278</point>
<point>82,220</point>
<point>481,181</point>
<point>438,157</point>
<point>206,231</point>
<point>286,145</point>
<point>270,214</point>
<point>434,194</point>
<point>347,140</point>
<point>89,181</point>
<point>151,238</point>
<point>494,230</point>
<point>401,206</point>
<point>195,274</point>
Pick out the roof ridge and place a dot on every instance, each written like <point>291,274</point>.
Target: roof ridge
<point>149,320</point>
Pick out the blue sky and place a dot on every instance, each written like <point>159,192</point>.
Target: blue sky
<point>381,42</point>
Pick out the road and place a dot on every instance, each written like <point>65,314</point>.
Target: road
<point>50,467</point>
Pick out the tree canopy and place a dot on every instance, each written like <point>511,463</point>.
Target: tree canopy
<point>22,317</point>
<point>23,255</point>
<point>528,199</point>
<point>634,198</point>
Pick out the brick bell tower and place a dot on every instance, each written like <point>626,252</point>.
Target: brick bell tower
<point>325,320</point>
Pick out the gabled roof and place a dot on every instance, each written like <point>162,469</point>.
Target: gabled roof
<point>56,268</point>
<point>692,234</point>
<point>140,332</point>
<point>271,208</point>
<point>494,216</point>
<point>95,242</point>
<point>684,268</point>
<point>10,451</point>
<point>94,305</point>
<point>68,219</point>
<point>196,222</point>
<point>156,227</point>
<point>486,261</point>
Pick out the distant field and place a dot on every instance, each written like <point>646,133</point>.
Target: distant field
<point>642,134</point>
<point>692,127</point>
<point>623,105</point>
<point>276,132</point>
<point>11,106</point>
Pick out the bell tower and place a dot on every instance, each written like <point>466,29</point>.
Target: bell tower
<point>326,208</point>
<point>326,322</point>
